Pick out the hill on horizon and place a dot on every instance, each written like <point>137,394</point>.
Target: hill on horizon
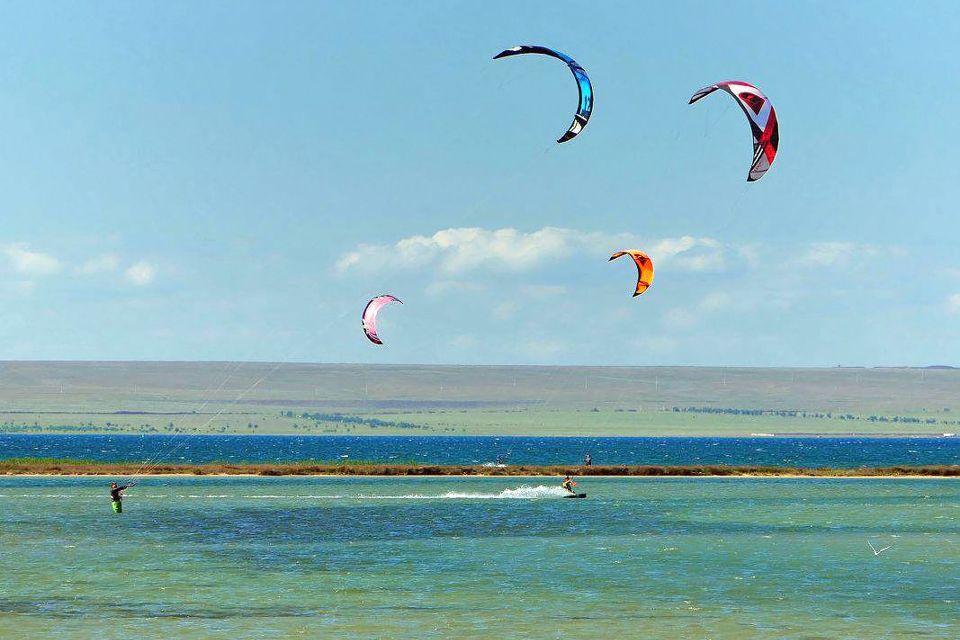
<point>350,399</point>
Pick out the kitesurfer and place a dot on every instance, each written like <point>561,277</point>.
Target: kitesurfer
<point>587,460</point>
<point>568,484</point>
<point>116,496</point>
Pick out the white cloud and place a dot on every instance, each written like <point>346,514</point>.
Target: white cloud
<point>17,286</point>
<point>459,250</point>
<point>505,310</point>
<point>141,273</point>
<point>442,287</point>
<point>31,263</point>
<point>679,318</point>
<point>466,248</point>
<point>828,254</point>
<point>353,258</point>
<point>716,301</point>
<point>543,290</point>
<point>101,264</point>
<point>953,303</point>
<point>689,253</point>
<point>688,317</point>
<point>749,253</point>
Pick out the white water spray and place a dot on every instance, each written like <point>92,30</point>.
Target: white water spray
<point>519,493</point>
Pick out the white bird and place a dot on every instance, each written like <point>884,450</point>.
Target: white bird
<point>876,551</point>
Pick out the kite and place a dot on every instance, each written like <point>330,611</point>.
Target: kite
<point>585,106</point>
<point>370,312</point>
<point>763,122</point>
<point>644,269</point>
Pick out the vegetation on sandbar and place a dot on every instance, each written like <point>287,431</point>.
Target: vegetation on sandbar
<point>71,467</point>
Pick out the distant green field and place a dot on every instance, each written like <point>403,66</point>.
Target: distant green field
<point>649,423</point>
<point>158,397</point>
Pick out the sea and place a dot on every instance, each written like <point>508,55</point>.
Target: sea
<point>488,557</point>
<point>482,557</point>
<point>836,452</point>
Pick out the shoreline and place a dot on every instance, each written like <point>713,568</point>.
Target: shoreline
<point>387,432</point>
<point>519,476</point>
<point>52,467</point>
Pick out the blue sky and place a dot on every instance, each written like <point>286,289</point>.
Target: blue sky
<point>233,181</point>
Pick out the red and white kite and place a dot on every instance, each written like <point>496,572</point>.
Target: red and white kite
<point>763,122</point>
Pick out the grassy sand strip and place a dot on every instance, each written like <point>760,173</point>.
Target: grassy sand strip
<point>54,466</point>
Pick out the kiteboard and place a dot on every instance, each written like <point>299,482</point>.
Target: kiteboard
<point>576,495</point>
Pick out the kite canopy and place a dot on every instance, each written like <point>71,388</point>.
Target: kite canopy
<point>644,268</point>
<point>585,106</point>
<point>370,312</point>
<point>762,118</point>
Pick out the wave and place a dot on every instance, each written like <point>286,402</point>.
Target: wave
<point>287,497</point>
<point>519,493</point>
<point>39,495</point>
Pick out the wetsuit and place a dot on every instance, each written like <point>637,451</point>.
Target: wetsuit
<point>568,485</point>
<point>116,498</point>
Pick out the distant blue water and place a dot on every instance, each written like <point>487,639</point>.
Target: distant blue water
<point>800,452</point>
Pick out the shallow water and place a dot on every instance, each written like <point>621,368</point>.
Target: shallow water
<point>480,557</point>
<point>802,452</point>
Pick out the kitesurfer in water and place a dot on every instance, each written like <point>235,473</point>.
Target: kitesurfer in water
<point>116,496</point>
<point>568,484</point>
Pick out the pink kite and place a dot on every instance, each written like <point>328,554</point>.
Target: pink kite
<point>370,316</point>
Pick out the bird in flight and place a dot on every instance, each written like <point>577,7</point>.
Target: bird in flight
<point>876,551</point>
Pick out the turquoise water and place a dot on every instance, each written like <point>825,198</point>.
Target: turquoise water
<point>477,558</point>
